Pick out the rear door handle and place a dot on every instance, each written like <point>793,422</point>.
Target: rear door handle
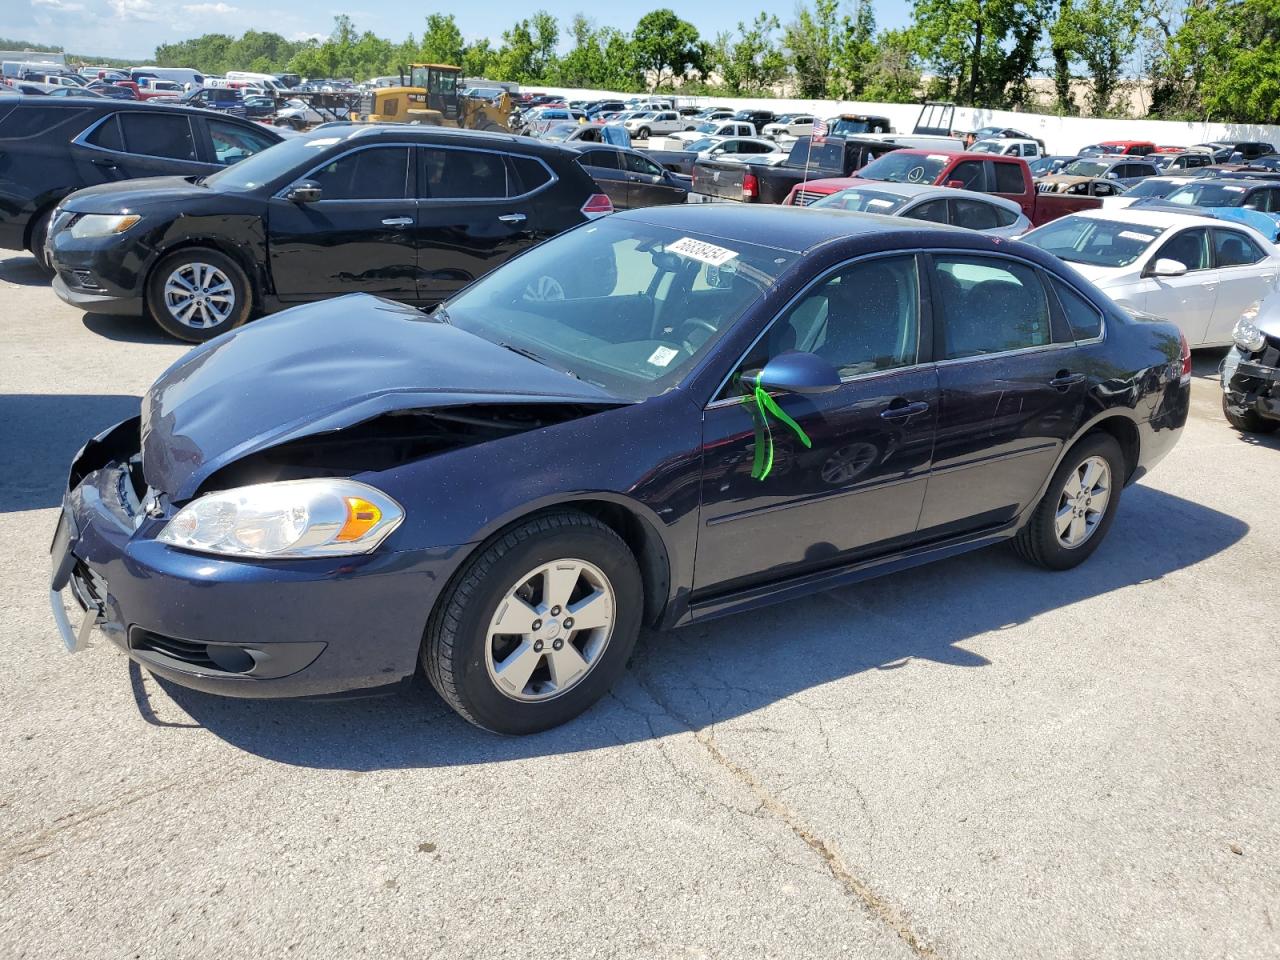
<point>1065,379</point>
<point>904,411</point>
<point>398,222</point>
<point>512,218</point>
<point>107,164</point>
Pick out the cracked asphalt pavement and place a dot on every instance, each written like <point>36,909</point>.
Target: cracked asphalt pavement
<point>970,760</point>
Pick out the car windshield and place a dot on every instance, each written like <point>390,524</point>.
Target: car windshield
<point>1150,188</point>
<point>705,143</point>
<point>900,167</point>
<point>986,146</point>
<point>1086,168</point>
<point>292,156</point>
<point>1210,194</point>
<point>560,131</point>
<point>843,127</point>
<point>708,127</point>
<point>1095,242</point>
<point>862,200</point>
<point>626,305</point>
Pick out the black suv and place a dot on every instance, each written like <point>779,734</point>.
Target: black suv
<point>51,147</point>
<point>406,212</point>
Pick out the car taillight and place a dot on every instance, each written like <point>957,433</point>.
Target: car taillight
<point>597,205</point>
<point>1186,358</point>
<point>749,185</point>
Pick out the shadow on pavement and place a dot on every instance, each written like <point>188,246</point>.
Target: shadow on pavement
<point>40,433</point>
<point>126,329</point>
<point>23,271</point>
<point>710,673</point>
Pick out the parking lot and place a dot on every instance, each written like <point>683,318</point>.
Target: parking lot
<point>972,759</point>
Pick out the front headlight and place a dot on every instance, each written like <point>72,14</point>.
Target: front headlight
<point>102,225</point>
<point>1246,333</point>
<point>287,519</point>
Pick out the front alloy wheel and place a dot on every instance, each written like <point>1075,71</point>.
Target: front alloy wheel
<point>537,625</point>
<point>197,293</point>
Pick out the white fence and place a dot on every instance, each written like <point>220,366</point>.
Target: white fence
<point>1064,135</point>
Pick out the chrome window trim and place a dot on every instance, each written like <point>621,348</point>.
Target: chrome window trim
<point>822,277</point>
<point>82,140</point>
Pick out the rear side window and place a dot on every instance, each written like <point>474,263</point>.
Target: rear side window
<point>1083,316</point>
<point>25,120</point>
<point>974,215</point>
<point>599,158</point>
<point>379,173</point>
<point>463,175</point>
<point>107,135</point>
<point>529,175</point>
<point>990,306</point>
<point>1233,249</point>
<point>1009,178</point>
<point>158,135</point>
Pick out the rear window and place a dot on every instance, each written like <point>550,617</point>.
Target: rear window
<point>25,120</point>
<point>158,135</point>
<point>530,174</point>
<point>1009,178</point>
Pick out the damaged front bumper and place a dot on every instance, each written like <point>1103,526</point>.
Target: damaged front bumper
<point>238,627</point>
<point>1252,385</point>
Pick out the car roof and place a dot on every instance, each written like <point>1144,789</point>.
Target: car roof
<point>794,229</point>
<point>1148,217</point>
<point>914,190</point>
<point>109,104</point>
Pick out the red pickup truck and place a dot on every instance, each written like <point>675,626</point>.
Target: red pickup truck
<point>1007,177</point>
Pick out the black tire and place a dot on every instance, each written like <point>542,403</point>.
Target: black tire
<point>39,234</point>
<point>453,650</point>
<point>1248,421</point>
<point>1037,542</point>
<point>297,123</point>
<point>642,133</point>
<point>242,305</point>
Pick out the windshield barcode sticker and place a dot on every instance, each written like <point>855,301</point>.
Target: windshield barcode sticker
<point>1134,235</point>
<point>663,356</point>
<point>703,252</point>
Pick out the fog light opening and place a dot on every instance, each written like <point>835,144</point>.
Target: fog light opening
<point>231,659</point>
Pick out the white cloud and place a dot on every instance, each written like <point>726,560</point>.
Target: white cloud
<point>58,6</point>
<point>143,10</point>
<point>214,9</point>
<point>305,35</point>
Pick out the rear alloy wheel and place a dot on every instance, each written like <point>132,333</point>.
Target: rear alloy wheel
<point>642,133</point>
<point>1076,512</point>
<point>39,235</point>
<point>1248,421</point>
<point>537,626</point>
<point>196,294</point>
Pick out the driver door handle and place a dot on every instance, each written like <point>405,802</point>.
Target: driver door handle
<point>1065,379</point>
<point>106,164</point>
<point>904,411</point>
<point>512,218</point>
<point>398,222</point>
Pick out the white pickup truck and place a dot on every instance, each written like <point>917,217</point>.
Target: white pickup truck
<point>789,125</point>
<point>644,125</point>
<point>710,128</point>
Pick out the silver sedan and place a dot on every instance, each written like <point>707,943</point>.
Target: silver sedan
<point>959,208</point>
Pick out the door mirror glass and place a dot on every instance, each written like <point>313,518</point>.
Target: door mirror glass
<point>797,372</point>
<point>304,191</point>
<point>1165,267</point>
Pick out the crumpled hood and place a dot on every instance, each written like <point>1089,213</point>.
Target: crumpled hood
<point>322,367</point>
<point>128,196</point>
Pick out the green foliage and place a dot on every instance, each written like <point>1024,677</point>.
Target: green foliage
<point>753,62</point>
<point>809,42</point>
<point>1100,34</point>
<point>667,47</point>
<point>983,51</point>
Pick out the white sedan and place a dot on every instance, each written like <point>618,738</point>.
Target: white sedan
<point>789,125</point>
<point>1200,272</point>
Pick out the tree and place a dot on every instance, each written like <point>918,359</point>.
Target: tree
<point>1101,34</point>
<point>809,41</point>
<point>894,73</point>
<point>983,50</point>
<point>753,62</point>
<point>852,51</point>
<point>442,40</point>
<point>666,47</point>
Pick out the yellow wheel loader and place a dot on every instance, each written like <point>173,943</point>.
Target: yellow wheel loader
<point>433,96</point>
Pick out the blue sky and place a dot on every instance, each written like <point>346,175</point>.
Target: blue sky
<point>132,28</point>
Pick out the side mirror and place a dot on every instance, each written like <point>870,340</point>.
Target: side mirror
<point>796,372</point>
<point>955,184</point>
<point>1165,267</point>
<point>304,191</point>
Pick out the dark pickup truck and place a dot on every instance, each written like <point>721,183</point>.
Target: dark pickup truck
<point>756,183</point>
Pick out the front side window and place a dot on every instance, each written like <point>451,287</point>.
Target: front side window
<point>933,211</point>
<point>862,319</point>
<point>233,143</point>
<point>990,306</point>
<point>1233,249</point>
<point>379,173</point>
<point>642,165</point>
<point>1189,248</point>
<point>971,175</point>
<point>158,135</point>
<point>463,175</point>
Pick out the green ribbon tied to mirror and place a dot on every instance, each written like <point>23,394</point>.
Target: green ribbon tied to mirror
<point>764,408</point>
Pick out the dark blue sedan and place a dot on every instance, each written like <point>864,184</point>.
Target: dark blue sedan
<point>659,417</point>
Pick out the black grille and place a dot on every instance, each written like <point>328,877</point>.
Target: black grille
<point>806,197</point>
<point>187,651</point>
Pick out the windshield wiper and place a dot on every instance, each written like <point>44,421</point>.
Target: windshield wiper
<point>526,352</point>
<point>441,314</point>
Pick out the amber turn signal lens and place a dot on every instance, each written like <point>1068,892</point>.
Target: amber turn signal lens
<point>362,516</point>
